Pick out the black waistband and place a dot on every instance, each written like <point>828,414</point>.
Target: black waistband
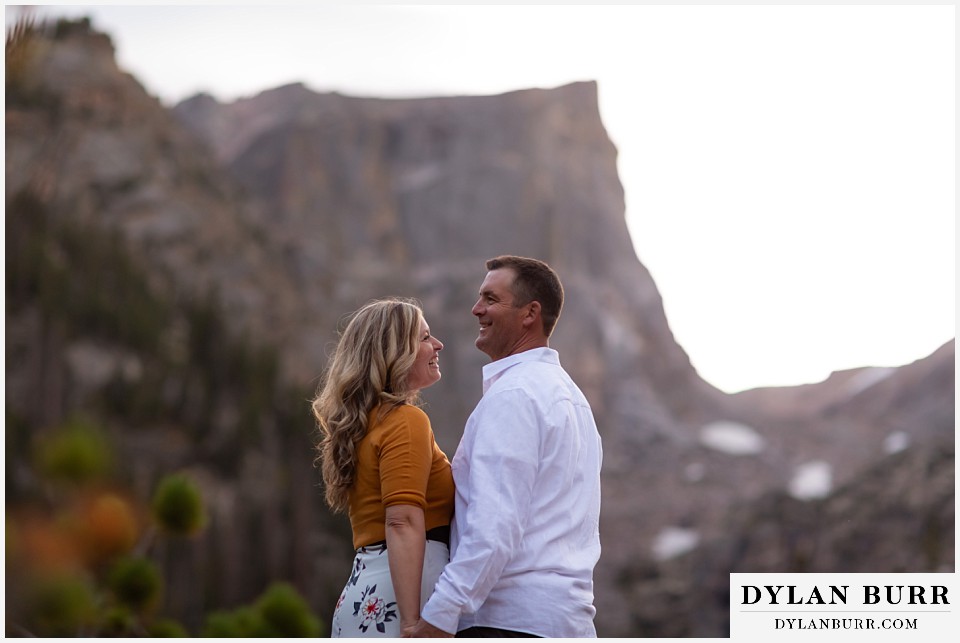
<point>439,534</point>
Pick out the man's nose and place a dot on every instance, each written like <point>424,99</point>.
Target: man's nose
<point>477,310</point>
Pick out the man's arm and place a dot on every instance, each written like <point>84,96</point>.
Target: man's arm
<point>502,466</point>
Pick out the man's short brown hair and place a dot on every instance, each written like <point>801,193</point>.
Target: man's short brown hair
<point>534,281</point>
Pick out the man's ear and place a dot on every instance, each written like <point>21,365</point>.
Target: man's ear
<point>532,316</point>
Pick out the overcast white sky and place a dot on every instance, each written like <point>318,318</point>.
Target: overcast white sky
<point>789,170</point>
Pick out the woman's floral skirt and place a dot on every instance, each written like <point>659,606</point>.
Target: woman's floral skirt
<point>368,605</point>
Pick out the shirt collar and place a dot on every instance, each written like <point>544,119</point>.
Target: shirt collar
<point>493,370</point>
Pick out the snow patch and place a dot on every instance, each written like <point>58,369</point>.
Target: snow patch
<point>812,480</point>
<point>862,381</point>
<point>732,437</point>
<point>896,442</point>
<point>674,541</point>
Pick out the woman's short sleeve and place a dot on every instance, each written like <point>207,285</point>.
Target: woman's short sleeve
<point>406,455</point>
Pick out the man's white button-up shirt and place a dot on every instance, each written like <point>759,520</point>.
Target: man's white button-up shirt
<point>526,536</point>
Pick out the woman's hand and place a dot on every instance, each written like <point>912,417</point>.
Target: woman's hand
<point>407,629</point>
<point>423,629</point>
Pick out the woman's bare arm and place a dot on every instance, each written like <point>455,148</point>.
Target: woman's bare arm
<point>406,540</point>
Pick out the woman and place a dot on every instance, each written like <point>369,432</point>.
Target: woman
<point>381,464</point>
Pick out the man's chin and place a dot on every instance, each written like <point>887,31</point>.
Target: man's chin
<point>482,347</point>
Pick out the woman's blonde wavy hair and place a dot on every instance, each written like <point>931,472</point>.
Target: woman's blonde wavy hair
<point>369,367</point>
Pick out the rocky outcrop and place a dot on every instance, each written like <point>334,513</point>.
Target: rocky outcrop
<point>291,208</point>
<point>412,196</point>
<point>896,516</point>
<point>87,141</point>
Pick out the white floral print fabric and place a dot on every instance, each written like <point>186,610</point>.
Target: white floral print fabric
<point>368,606</point>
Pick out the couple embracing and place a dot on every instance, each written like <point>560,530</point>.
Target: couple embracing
<point>503,541</point>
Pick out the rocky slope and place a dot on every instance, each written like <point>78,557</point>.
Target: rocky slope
<point>291,208</point>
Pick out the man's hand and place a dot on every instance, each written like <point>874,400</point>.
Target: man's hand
<point>423,629</point>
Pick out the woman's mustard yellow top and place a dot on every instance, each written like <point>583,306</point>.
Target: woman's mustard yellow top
<point>399,463</point>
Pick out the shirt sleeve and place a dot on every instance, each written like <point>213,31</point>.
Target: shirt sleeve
<point>502,470</point>
<point>406,451</point>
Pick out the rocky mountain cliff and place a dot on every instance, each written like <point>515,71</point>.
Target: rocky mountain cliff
<point>289,209</point>
<point>412,196</point>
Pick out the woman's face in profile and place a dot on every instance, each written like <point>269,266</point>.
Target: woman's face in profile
<point>426,370</point>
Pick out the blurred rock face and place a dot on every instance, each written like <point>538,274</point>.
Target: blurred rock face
<point>293,208</point>
<point>369,198</point>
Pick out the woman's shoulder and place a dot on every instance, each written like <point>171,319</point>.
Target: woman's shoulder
<point>410,413</point>
<point>402,424</point>
<point>400,415</point>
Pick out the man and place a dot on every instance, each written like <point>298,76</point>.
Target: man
<point>527,472</point>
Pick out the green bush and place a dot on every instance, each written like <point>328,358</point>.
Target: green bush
<point>279,613</point>
<point>118,622</point>
<point>60,605</point>
<point>136,583</point>
<point>178,506</point>
<point>243,622</point>
<point>77,453</point>
<point>286,614</point>
<point>166,628</point>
